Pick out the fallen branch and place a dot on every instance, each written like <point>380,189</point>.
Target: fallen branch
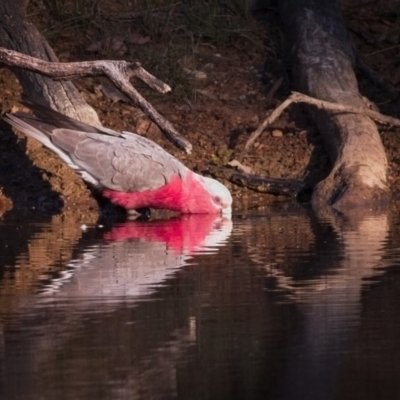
<point>119,72</point>
<point>261,184</point>
<point>296,97</point>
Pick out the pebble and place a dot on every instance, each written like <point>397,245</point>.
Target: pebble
<point>277,133</point>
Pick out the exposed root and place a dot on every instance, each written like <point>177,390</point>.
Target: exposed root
<point>296,97</point>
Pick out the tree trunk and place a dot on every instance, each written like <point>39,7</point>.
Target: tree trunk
<point>323,68</point>
<point>16,33</point>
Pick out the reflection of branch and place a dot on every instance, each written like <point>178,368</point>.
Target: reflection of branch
<point>119,72</point>
<point>296,97</point>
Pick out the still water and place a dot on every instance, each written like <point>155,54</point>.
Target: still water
<point>275,305</point>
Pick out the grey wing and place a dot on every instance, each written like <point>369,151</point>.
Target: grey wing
<point>128,163</point>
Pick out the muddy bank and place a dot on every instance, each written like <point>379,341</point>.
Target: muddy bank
<point>232,96</point>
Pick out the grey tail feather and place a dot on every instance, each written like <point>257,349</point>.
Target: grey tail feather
<point>42,133</point>
<point>19,122</point>
<point>56,119</point>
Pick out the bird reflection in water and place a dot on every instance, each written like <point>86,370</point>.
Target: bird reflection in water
<point>137,256</point>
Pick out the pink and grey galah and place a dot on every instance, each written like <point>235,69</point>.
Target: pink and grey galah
<point>129,169</point>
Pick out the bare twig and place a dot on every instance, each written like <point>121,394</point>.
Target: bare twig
<point>383,50</point>
<point>296,97</point>
<point>375,115</point>
<point>277,84</point>
<point>268,121</point>
<point>119,72</point>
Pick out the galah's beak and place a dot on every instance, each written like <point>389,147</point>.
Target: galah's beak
<point>226,211</point>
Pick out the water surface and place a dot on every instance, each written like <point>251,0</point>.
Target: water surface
<point>273,305</point>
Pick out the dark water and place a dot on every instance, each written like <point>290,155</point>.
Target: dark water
<point>274,305</point>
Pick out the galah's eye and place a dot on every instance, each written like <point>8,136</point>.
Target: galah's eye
<point>217,200</point>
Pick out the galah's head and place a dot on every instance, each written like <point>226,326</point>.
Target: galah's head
<point>219,195</point>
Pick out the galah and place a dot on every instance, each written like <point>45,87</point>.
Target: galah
<point>130,170</point>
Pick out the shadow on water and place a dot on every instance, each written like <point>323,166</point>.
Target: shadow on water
<point>281,305</point>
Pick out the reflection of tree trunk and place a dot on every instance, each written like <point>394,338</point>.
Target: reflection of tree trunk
<point>16,33</point>
<point>322,68</point>
<point>330,308</point>
<point>44,250</point>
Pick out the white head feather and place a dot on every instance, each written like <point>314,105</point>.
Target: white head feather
<point>220,194</point>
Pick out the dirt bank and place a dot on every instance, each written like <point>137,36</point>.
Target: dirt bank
<point>230,95</point>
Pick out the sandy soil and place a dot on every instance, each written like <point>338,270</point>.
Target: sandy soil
<point>233,96</point>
